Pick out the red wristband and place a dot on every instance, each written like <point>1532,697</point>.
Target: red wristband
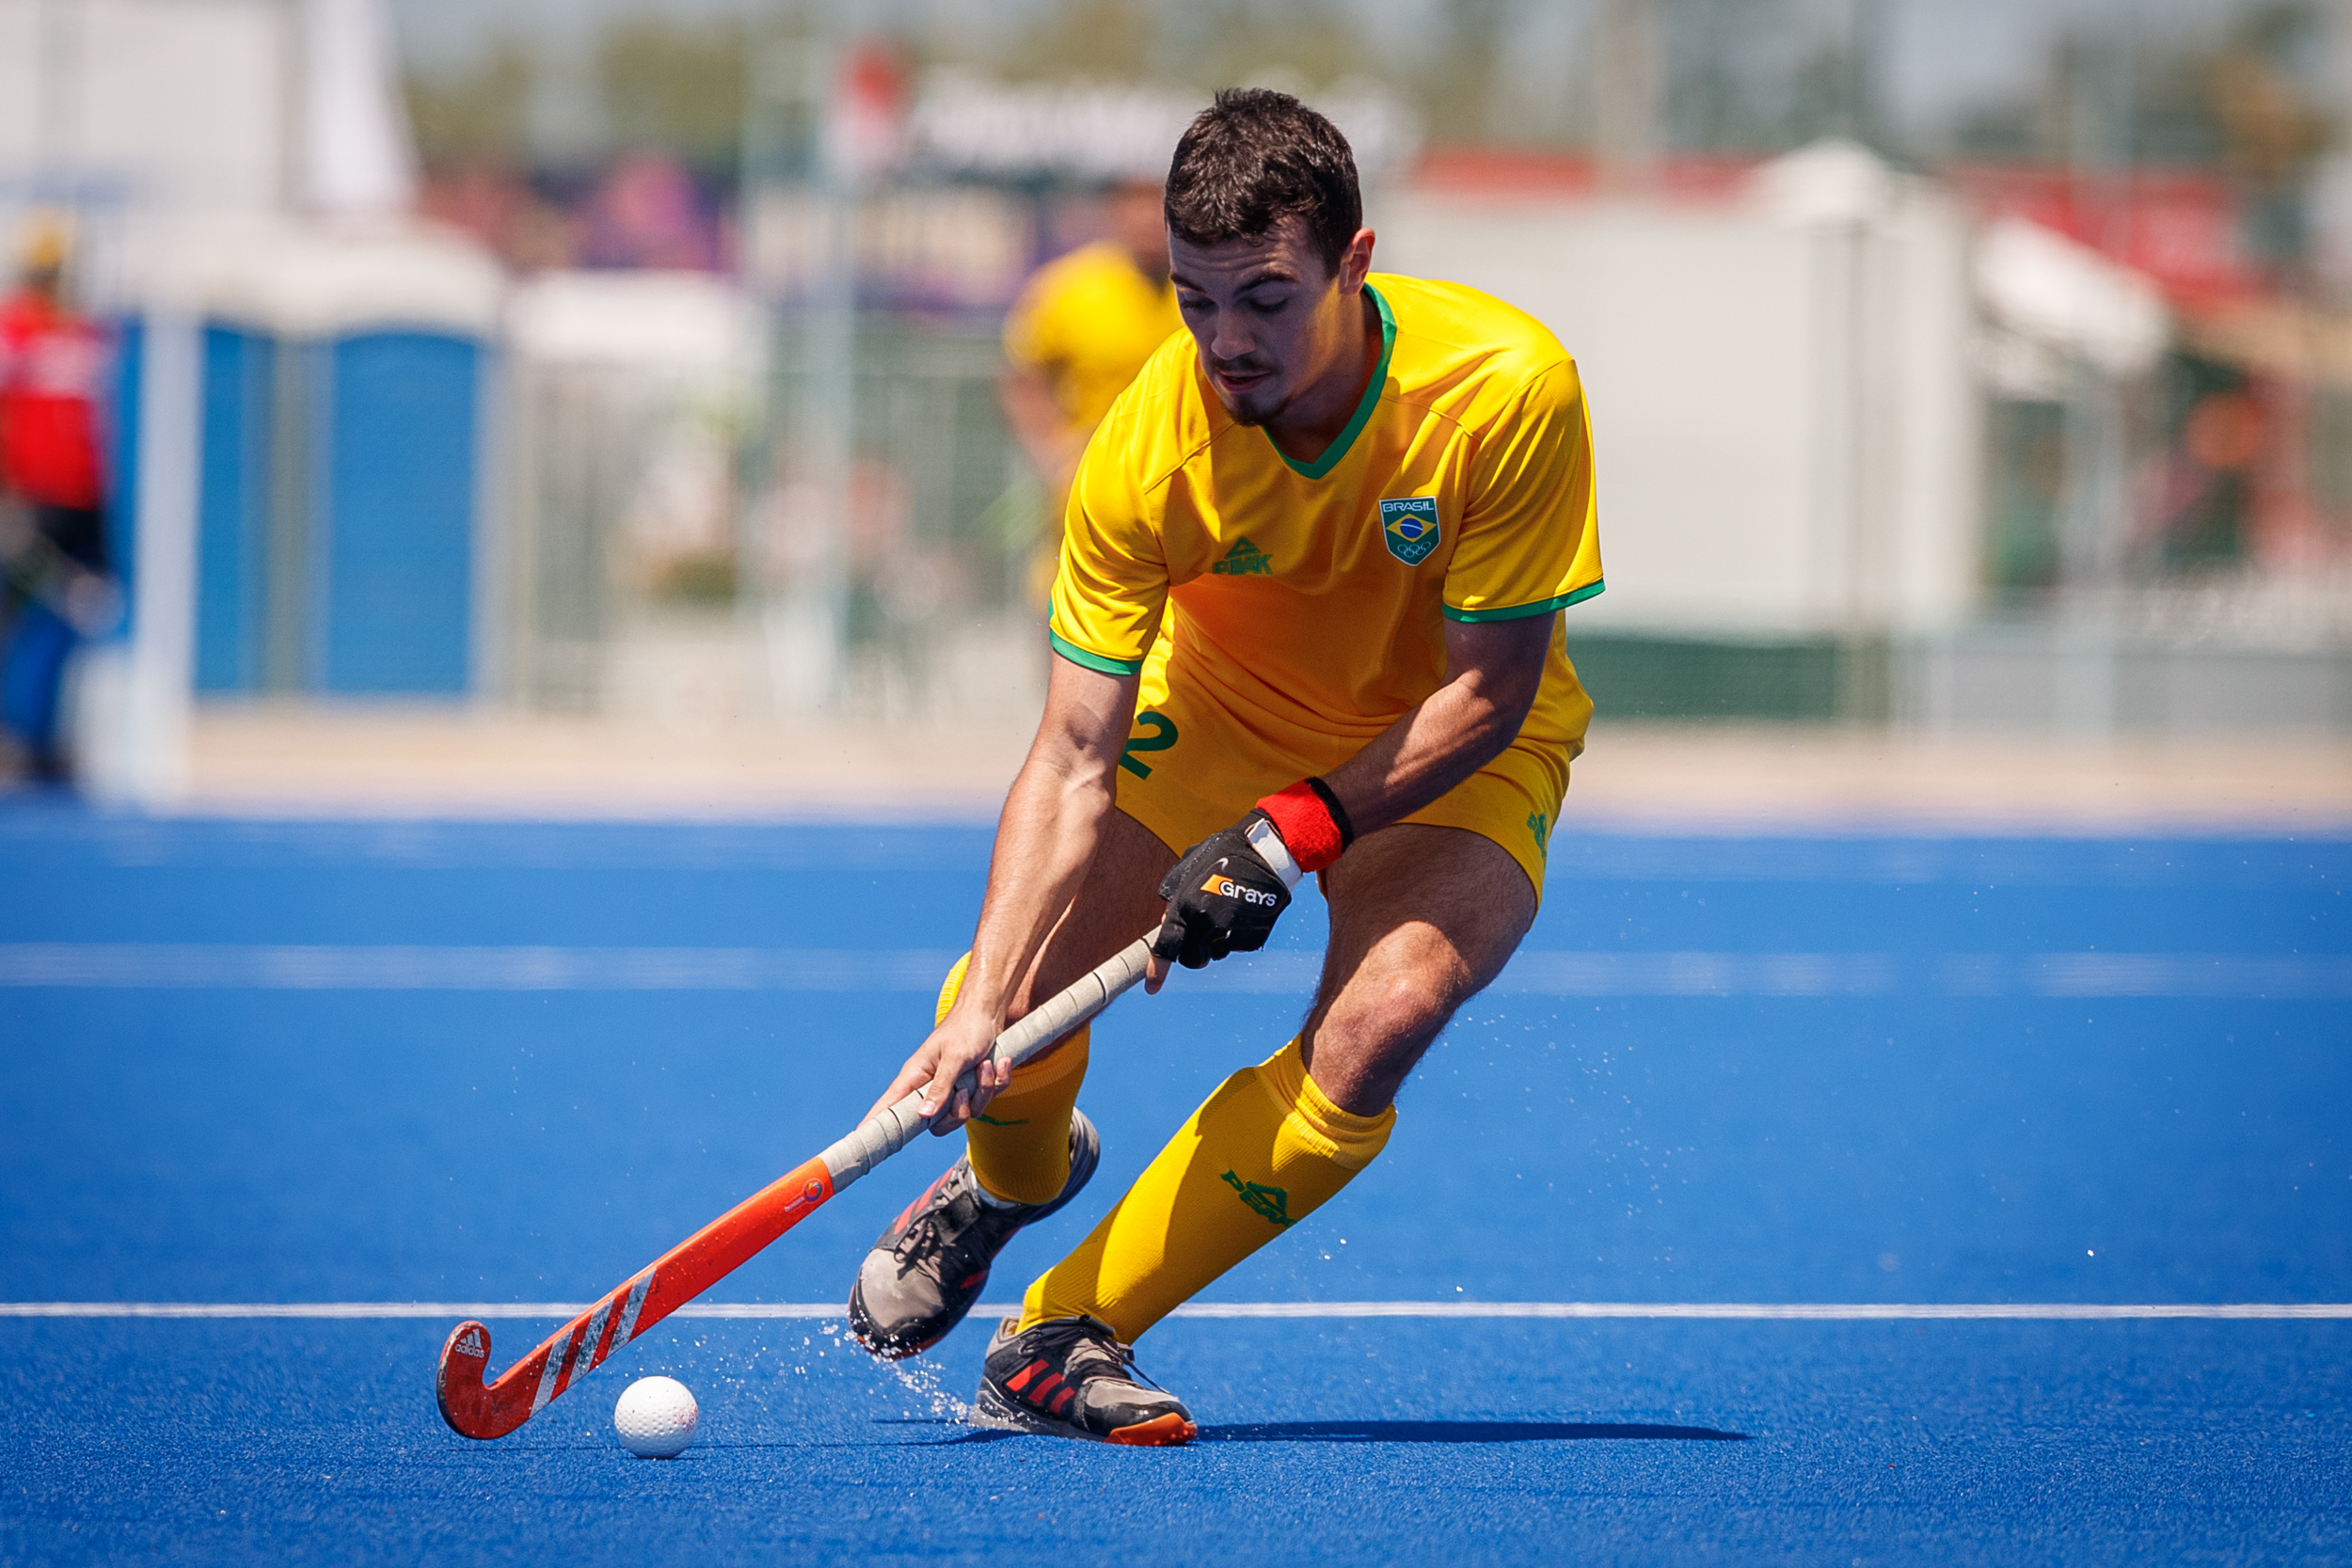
<point>1310,831</point>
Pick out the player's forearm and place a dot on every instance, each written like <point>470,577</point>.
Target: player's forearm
<point>1052,820</point>
<point>1043,840</point>
<point>1456,730</point>
<point>1494,672</point>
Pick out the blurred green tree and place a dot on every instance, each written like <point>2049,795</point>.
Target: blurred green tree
<point>676,86</point>
<point>478,114</point>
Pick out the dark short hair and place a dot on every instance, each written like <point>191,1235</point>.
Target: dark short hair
<point>1255,157</point>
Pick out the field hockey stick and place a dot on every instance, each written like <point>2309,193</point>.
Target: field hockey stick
<point>729,1241</point>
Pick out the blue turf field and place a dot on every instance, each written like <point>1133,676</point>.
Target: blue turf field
<point>393,1063</point>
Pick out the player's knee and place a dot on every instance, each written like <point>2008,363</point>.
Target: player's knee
<point>1380,1019</point>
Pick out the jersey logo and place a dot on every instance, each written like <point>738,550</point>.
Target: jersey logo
<point>1272,1204</point>
<point>1245,559</point>
<point>1409,527</point>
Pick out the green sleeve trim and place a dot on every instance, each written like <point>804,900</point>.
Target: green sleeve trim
<point>1520,612</point>
<point>1338,449</point>
<point>1077,655</point>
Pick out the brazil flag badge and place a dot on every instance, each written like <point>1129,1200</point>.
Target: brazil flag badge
<point>1409,527</point>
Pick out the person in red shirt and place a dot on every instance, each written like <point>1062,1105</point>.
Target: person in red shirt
<point>53,535</point>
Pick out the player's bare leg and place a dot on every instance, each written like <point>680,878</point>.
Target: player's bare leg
<point>1031,1151</point>
<point>1423,919</point>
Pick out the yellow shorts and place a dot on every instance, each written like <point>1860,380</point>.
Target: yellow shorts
<point>1194,764</point>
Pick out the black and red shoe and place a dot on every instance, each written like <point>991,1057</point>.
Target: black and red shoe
<point>1073,1377</point>
<point>926,1270</point>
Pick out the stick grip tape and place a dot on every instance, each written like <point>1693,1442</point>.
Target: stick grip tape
<point>892,1127</point>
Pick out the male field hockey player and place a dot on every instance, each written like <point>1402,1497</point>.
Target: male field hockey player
<point>1306,621</point>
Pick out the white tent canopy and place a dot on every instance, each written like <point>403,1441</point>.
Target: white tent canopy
<point>688,323</point>
<point>1828,182</point>
<point>2067,297</point>
<point>311,279</point>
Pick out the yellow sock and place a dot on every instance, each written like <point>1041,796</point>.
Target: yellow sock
<point>1266,1150</point>
<point>1020,1145</point>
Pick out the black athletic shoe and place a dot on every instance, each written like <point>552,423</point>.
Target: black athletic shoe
<point>1070,1377</point>
<point>926,1270</point>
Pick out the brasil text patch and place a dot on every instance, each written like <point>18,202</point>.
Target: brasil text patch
<point>1409,527</point>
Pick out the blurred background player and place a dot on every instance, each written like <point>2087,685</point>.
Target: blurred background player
<point>53,535</point>
<point>1083,327</point>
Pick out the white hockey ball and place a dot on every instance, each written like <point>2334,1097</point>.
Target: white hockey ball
<point>655,1418</point>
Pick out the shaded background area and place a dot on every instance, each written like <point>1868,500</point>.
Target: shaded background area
<point>1956,369</point>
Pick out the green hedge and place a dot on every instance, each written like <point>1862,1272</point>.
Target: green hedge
<point>1659,677</point>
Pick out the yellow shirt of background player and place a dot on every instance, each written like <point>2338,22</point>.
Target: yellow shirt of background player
<point>1086,322</point>
<point>1310,599</point>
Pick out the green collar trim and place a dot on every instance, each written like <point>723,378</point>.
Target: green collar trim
<point>1346,438</point>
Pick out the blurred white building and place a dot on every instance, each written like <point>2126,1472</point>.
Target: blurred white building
<point>202,107</point>
<point>1790,372</point>
<point>1783,398</point>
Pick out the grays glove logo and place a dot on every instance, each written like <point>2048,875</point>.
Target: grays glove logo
<point>1225,887</point>
<point>1222,897</point>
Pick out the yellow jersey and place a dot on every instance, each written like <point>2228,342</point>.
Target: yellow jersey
<point>1310,599</point>
<point>1086,322</point>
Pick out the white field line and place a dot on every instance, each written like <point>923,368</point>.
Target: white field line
<point>2060,1311</point>
<point>224,966</point>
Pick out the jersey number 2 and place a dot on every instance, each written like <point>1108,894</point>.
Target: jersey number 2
<point>1163,735</point>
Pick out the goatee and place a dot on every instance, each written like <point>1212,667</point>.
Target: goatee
<point>1248,416</point>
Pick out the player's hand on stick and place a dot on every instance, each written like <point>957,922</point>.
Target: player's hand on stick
<point>1223,897</point>
<point>1229,888</point>
<point>963,1042</point>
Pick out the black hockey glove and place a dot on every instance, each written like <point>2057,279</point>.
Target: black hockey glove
<point>1225,894</point>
